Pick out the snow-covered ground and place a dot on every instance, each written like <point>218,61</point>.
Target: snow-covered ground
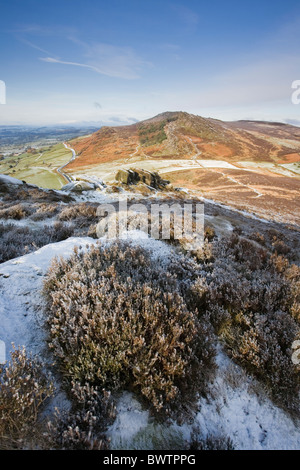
<point>216,164</point>
<point>21,302</point>
<point>21,283</point>
<point>10,180</point>
<point>234,407</point>
<point>107,171</point>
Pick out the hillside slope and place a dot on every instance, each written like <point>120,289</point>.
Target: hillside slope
<point>252,166</point>
<point>183,135</point>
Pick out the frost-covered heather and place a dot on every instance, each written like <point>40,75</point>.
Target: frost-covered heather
<point>119,320</point>
<point>253,300</point>
<point>242,292</point>
<point>24,389</point>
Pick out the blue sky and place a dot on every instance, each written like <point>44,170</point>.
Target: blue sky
<point>119,61</point>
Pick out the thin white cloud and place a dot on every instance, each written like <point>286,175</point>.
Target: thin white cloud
<point>34,46</point>
<point>106,59</point>
<point>115,61</point>
<point>52,60</point>
<point>109,60</point>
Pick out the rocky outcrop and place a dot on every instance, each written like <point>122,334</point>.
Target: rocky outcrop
<point>136,176</point>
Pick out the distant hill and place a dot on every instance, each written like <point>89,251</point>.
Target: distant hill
<point>182,135</point>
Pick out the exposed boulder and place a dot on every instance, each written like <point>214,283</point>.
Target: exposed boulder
<point>79,186</point>
<point>136,176</point>
<point>92,180</point>
<point>127,177</point>
<point>84,183</point>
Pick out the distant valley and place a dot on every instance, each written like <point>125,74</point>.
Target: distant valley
<point>252,166</point>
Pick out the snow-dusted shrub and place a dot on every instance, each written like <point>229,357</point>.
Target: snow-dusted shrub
<point>44,211</point>
<point>16,211</point>
<point>81,211</point>
<point>280,247</point>
<point>291,274</point>
<point>117,319</point>
<point>253,301</point>
<point>263,345</point>
<point>24,389</point>
<point>244,279</point>
<point>84,426</point>
<point>211,442</point>
<point>17,241</point>
<point>241,250</point>
<point>209,233</point>
<point>258,237</point>
<point>56,232</point>
<point>204,254</point>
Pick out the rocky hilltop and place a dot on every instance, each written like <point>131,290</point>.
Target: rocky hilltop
<point>182,135</point>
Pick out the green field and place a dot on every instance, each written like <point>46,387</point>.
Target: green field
<point>38,168</point>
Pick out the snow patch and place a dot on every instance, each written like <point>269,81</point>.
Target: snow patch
<point>216,164</point>
<point>21,301</point>
<point>10,180</point>
<point>232,409</point>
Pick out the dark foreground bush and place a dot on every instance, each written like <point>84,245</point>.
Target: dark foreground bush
<point>17,241</point>
<point>24,389</point>
<point>117,320</point>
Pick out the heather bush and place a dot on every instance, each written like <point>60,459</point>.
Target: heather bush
<point>117,319</point>
<point>280,247</point>
<point>82,212</point>
<point>24,390</point>
<point>209,233</point>
<point>44,211</point>
<point>17,241</point>
<point>258,237</point>
<point>252,299</point>
<point>83,426</point>
<point>291,274</point>
<point>16,211</point>
<point>263,345</point>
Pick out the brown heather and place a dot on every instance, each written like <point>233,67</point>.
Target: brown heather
<point>253,300</point>
<point>24,390</point>
<point>117,319</point>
